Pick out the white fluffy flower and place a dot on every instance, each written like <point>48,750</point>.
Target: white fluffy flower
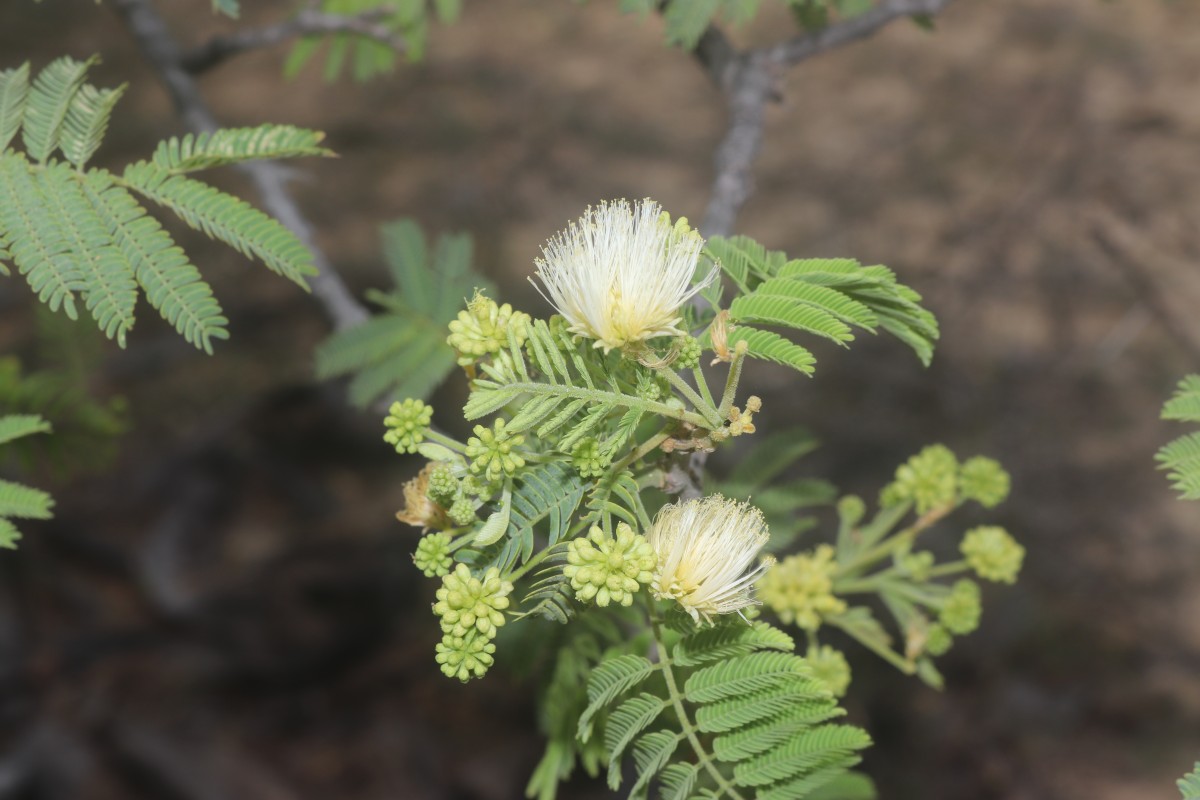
<point>707,553</point>
<point>621,273</point>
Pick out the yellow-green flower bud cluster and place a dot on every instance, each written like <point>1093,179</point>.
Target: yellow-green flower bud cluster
<point>929,480</point>
<point>589,460</point>
<point>829,667</point>
<point>471,610</point>
<point>491,451</point>
<point>649,386</point>
<point>443,486</point>
<point>689,353</point>
<point>465,657</point>
<point>993,553</point>
<point>482,329</point>
<point>938,640</point>
<point>407,423</point>
<point>433,555</point>
<point>608,569</point>
<point>799,589</point>
<point>917,565</point>
<point>983,480</point>
<point>962,608</point>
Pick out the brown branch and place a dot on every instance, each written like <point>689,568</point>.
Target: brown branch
<point>750,80</point>
<point>161,50</point>
<point>307,22</point>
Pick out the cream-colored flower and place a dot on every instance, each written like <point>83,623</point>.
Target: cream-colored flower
<point>707,553</point>
<point>621,273</point>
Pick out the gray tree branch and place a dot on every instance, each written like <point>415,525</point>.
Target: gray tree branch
<point>307,22</point>
<point>161,50</point>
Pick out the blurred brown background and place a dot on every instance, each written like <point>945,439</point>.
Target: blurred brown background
<point>228,609</point>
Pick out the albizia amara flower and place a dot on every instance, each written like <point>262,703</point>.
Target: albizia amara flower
<point>621,273</point>
<point>708,554</point>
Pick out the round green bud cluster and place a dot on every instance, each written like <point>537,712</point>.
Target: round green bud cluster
<point>938,640</point>
<point>491,451</point>
<point>466,603</point>
<point>799,589</point>
<point>433,555</point>
<point>993,553</point>
<point>407,423</point>
<point>649,387</point>
<point>474,487</point>
<point>689,353</point>
<point>589,460</point>
<point>465,657</point>
<point>443,486</point>
<point>829,667</point>
<point>962,608</point>
<point>917,565</point>
<point>929,480</point>
<point>851,509</point>
<point>609,569</point>
<point>461,511</point>
<point>983,480</point>
<point>482,329</point>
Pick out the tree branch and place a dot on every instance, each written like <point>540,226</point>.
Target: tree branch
<point>750,80</point>
<point>155,40</point>
<point>307,22</point>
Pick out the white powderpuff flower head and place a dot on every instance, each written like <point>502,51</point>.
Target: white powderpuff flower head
<point>708,554</point>
<point>621,273</point>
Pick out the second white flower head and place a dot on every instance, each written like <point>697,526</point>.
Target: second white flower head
<point>707,553</point>
<point>621,274</point>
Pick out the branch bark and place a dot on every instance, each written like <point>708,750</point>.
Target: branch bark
<point>163,52</point>
<point>307,22</point>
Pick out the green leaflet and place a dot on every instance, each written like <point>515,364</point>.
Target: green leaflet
<point>402,352</point>
<point>1181,457</point>
<point>1189,785</point>
<point>81,236</point>
<point>22,502</point>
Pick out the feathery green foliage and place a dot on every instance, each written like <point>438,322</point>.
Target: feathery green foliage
<point>686,20</point>
<point>742,713</point>
<point>368,57</point>
<point>230,8</point>
<point>17,501</point>
<point>402,352</point>
<point>80,234</point>
<point>828,298</point>
<point>1189,785</point>
<point>1181,457</point>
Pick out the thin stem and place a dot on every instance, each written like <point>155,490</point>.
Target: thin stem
<point>902,539</point>
<point>883,651</point>
<point>706,409</point>
<point>534,560</point>
<point>445,441</point>
<point>685,722</point>
<point>698,374</point>
<point>646,447</point>
<point>731,382</point>
<point>949,568</point>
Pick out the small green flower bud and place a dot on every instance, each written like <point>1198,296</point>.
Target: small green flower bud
<point>491,451</point>
<point>433,555</point>
<point>929,479</point>
<point>443,486</point>
<point>474,487</point>
<point>482,329</point>
<point>649,387</point>
<point>851,510</point>
<point>467,603</point>
<point>799,589</point>
<point>465,657</point>
<point>917,565</point>
<point>962,608</point>
<point>589,460</point>
<point>609,570</point>
<point>461,512</point>
<point>829,667</point>
<point>407,424</point>
<point>983,480</point>
<point>938,640</point>
<point>993,554</point>
<point>689,353</point>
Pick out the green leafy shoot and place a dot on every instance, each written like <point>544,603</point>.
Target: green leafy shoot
<point>1181,457</point>
<point>402,351</point>
<point>18,501</point>
<point>365,56</point>
<point>81,236</point>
